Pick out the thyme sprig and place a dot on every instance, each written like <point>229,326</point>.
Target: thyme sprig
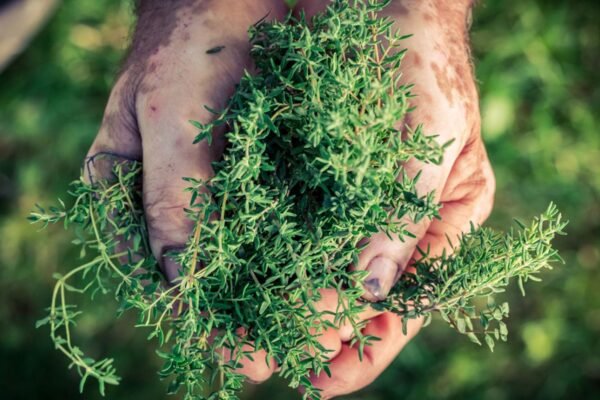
<point>314,164</point>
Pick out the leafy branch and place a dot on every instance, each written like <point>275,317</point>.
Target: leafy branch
<point>481,266</point>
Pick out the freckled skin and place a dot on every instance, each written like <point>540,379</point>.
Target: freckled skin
<point>398,8</point>
<point>415,59</point>
<point>443,81</point>
<point>170,73</point>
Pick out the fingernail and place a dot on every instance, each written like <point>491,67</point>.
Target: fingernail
<point>100,166</point>
<point>171,268</point>
<point>382,272</point>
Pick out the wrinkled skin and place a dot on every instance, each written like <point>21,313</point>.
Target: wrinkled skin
<point>169,77</point>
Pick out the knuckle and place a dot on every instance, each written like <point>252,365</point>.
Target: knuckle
<point>121,103</point>
<point>163,209</point>
<point>165,111</point>
<point>150,103</point>
<point>472,181</point>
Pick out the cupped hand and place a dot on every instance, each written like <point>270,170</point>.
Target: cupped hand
<point>438,64</point>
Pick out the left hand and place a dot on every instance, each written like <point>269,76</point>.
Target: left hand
<point>446,102</point>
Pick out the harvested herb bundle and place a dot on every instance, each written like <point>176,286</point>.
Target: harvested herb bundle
<point>311,169</point>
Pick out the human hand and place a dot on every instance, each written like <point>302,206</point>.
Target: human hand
<point>185,54</point>
<point>446,101</point>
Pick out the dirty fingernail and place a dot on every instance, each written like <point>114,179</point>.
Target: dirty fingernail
<point>382,272</point>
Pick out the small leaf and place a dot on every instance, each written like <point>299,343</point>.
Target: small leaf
<point>490,342</point>
<point>263,307</point>
<point>42,322</point>
<point>473,338</point>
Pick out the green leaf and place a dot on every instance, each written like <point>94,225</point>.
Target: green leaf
<point>473,338</point>
<point>490,342</point>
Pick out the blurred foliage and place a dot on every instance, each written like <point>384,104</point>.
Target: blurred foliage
<point>538,66</point>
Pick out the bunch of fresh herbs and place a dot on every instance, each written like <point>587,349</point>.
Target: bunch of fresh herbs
<point>314,164</point>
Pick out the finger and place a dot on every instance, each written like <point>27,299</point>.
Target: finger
<point>118,138</point>
<point>349,373</point>
<point>329,341</point>
<point>330,305</point>
<point>254,364</point>
<point>250,362</point>
<point>117,141</point>
<point>258,367</point>
<point>181,82</point>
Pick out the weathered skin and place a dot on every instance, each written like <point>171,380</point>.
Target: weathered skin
<point>169,76</point>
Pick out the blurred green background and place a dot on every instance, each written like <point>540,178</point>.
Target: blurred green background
<point>538,66</point>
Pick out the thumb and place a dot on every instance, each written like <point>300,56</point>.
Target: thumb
<point>465,193</point>
<point>387,257</point>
